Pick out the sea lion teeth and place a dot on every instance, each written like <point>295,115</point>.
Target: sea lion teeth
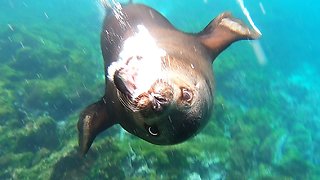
<point>160,84</point>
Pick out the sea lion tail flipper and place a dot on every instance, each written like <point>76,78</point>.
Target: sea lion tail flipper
<point>93,120</point>
<point>223,31</point>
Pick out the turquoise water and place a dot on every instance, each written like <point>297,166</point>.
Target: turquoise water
<point>266,121</point>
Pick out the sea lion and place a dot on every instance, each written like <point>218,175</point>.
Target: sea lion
<point>159,80</point>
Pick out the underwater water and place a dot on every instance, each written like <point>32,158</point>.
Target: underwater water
<point>266,119</point>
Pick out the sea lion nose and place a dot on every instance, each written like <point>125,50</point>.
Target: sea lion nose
<point>162,95</point>
<point>159,102</point>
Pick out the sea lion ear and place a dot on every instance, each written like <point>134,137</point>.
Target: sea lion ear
<point>223,31</point>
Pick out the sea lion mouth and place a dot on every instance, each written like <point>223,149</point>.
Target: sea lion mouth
<point>158,97</point>
<point>139,64</point>
<point>134,76</point>
<point>123,83</point>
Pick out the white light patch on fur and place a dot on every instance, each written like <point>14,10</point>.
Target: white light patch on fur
<point>140,59</point>
<point>234,26</point>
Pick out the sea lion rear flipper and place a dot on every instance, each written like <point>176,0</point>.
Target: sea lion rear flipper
<point>223,31</point>
<point>93,120</point>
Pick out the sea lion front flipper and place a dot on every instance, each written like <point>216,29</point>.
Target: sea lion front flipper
<point>93,120</point>
<point>223,31</point>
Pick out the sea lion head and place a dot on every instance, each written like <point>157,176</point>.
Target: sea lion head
<point>167,97</point>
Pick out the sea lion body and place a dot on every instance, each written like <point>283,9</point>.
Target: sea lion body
<point>160,81</point>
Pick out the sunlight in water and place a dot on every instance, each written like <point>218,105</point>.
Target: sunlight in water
<point>258,50</point>
<point>256,45</point>
<point>247,14</point>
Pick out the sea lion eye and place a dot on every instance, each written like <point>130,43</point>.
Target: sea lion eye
<point>153,130</point>
<point>186,94</point>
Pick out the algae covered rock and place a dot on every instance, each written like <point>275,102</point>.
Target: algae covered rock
<point>37,134</point>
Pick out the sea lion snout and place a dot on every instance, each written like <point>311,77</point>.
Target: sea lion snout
<point>159,102</point>
<point>162,95</point>
<point>158,97</point>
<point>122,83</point>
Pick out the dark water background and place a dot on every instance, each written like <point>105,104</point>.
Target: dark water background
<point>266,123</point>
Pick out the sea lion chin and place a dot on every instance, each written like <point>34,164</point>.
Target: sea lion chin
<point>159,81</point>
